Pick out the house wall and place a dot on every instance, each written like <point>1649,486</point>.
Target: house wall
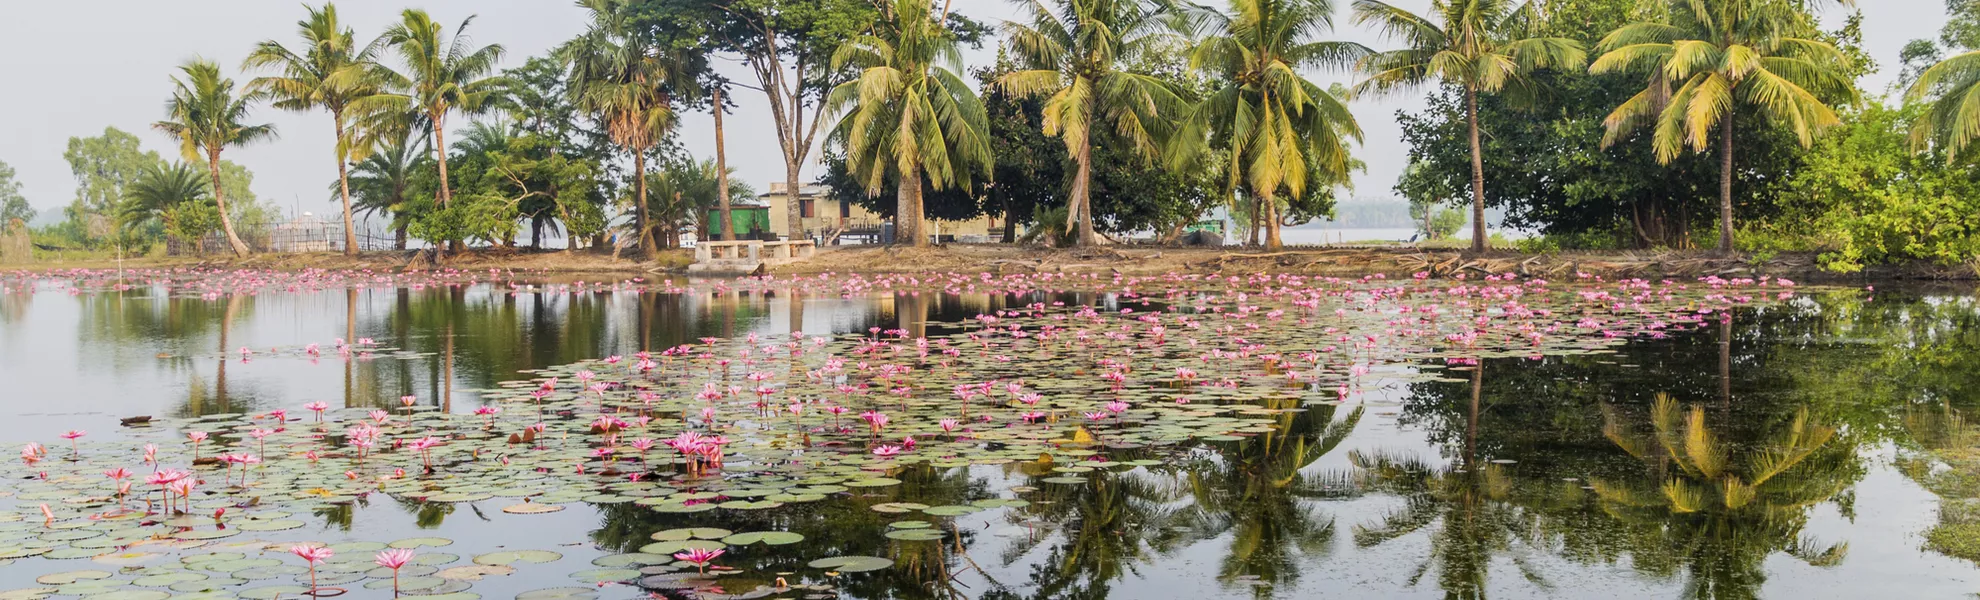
<point>826,216</point>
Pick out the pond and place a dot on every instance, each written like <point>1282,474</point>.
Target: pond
<point>978,436</point>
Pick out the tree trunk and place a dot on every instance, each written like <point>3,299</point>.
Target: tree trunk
<point>907,209</point>
<point>220,199</point>
<point>1270,206</point>
<point>642,232</point>
<point>1428,233</point>
<point>722,182</point>
<point>1477,174</point>
<point>344,185</point>
<point>446,188</point>
<point>1726,185</point>
<point>1010,222</point>
<point>1079,212</point>
<point>1253,234</point>
<point>399,238</point>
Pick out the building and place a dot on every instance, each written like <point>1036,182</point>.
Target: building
<point>824,215</point>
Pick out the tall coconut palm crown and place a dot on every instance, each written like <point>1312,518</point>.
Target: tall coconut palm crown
<point>207,117</point>
<point>330,72</point>
<point>1479,46</point>
<point>1072,50</point>
<point>908,114</point>
<point>1714,60</point>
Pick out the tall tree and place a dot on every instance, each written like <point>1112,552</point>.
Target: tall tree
<point>1276,128</point>
<point>1709,62</point>
<point>788,46</point>
<point>1480,46</point>
<point>103,166</point>
<point>1073,52</point>
<point>620,73</point>
<point>206,115</point>
<point>909,114</point>
<point>331,73</point>
<point>442,75</point>
<point>12,204</point>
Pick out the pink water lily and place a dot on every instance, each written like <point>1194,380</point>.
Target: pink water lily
<point>700,557</point>
<point>394,559</point>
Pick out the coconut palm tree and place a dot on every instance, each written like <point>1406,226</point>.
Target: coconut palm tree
<point>158,189</point>
<point>206,115</point>
<point>332,73</point>
<point>1276,128</point>
<point>1952,119</point>
<point>1479,46</point>
<point>382,182</point>
<point>1071,51</point>
<point>630,84</point>
<point>1711,62</point>
<point>909,115</point>
<point>442,75</point>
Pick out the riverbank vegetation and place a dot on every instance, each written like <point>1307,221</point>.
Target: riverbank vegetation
<point>1733,125</point>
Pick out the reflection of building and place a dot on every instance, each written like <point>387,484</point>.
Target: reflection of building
<point>823,215</point>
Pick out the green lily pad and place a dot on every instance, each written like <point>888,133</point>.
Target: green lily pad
<point>851,564</point>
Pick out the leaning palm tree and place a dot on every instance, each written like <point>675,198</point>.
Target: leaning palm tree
<point>331,73</point>
<point>618,74</point>
<point>1711,62</point>
<point>1072,51</point>
<point>206,116</point>
<point>1275,127</point>
<point>442,76</point>
<point>909,115</point>
<point>1952,120</point>
<point>1479,46</point>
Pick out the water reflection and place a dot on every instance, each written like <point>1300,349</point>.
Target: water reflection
<point>1693,466</point>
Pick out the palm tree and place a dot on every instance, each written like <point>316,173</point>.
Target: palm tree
<point>1480,47</point>
<point>618,74</point>
<point>158,189</point>
<point>1276,127</point>
<point>1720,57</point>
<point>1072,51</point>
<point>1952,120</point>
<point>442,76</point>
<point>908,114</point>
<point>381,183</point>
<point>331,73</point>
<point>205,114</point>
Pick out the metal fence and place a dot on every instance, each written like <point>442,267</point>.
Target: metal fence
<point>283,236</point>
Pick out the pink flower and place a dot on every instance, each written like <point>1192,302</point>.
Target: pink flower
<point>948,425</point>
<point>699,556</point>
<point>487,410</point>
<point>313,554</point>
<point>394,558</point>
<point>408,400</point>
<point>196,436</point>
<point>73,434</point>
<point>885,452</point>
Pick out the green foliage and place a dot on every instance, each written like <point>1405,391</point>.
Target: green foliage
<point>149,202</point>
<point>1868,199</point>
<point>13,206</point>
<point>1446,223</point>
<point>103,167</point>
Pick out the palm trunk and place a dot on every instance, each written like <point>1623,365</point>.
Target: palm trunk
<point>722,182</point>
<point>642,232</point>
<point>1079,215</point>
<point>1270,206</point>
<point>1477,173</point>
<point>446,188</point>
<point>220,199</point>
<point>1010,222</point>
<point>1726,185</point>
<point>344,185</point>
<point>907,209</point>
<point>1253,234</point>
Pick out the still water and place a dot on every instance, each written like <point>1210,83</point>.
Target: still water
<point>1518,478</point>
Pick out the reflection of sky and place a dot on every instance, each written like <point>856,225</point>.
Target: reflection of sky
<point>77,361</point>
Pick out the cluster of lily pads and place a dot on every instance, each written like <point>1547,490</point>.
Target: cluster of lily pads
<point>211,506</point>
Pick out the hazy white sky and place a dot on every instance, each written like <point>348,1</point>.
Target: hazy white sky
<point>76,66</point>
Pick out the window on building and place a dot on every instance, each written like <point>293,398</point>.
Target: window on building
<point>845,210</point>
<point>805,208</point>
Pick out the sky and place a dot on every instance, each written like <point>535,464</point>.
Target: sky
<point>77,66</point>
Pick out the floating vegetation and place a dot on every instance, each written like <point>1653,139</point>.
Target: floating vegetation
<point>1071,393</point>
